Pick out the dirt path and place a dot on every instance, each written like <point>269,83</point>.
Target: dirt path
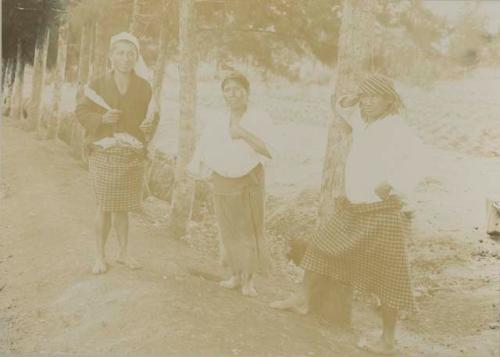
<point>52,303</point>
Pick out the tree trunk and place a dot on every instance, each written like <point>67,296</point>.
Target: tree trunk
<point>7,90</point>
<point>92,50</point>
<point>99,62</point>
<point>77,134</point>
<point>159,71</point>
<point>135,18</point>
<point>7,70</point>
<point>153,118</point>
<point>17,100</point>
<point>62,51</point>
<point>39,68</point>
<point>354,51</point>
<point>4,74</point>
<point>184,186</point>
<point>84,58</point>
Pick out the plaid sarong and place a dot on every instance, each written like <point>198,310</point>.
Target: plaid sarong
<point>117,178</point>
<point>365,245</point>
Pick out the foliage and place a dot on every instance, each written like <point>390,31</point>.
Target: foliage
<point>274,36</point>
<point>24,19</point>
<point>271,34</point>
<point>415,44</point>
<point>469,38</point>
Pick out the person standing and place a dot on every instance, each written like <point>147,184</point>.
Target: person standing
<point>363,244</point>
<point>231,153</point>
<point>116,104</point>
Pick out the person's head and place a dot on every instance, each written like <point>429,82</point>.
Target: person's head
<point>378,98</point>
<point>123,55</point>
<point>235,88</point>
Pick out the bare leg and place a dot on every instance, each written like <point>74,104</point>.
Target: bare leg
<point>120,223</point>
<point>248,288</point>
<point>389,319</point>
<point>298,302</point>
<point>103,226</point>
<point>384,345</point>
<point>233,282</point>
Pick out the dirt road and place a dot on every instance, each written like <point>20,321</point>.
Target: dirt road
<point>50,301</point>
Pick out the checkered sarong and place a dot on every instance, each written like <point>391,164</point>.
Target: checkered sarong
<point>364,245</point>
<point>117,177</point>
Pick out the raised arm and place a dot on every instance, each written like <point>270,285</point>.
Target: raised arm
<point>346,107</point>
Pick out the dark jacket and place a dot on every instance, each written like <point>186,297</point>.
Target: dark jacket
<point>133,104</point>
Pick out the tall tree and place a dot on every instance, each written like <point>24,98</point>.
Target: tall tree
<point>84,57</point>
<point>151,123</point>
<point>354,58</point>
<point>62,51</point>
<point>135,27</point>
<point>77,134</point>
<point>184,186</point>
<point>7,87</point>
<point>39,70</point>
<point>5,68</point>
<point>101,40</point>
<point>17,100</point>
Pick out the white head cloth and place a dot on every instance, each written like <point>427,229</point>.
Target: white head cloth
<point>140,68</point>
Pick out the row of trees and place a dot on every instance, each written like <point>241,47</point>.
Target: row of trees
<point>272,35</point>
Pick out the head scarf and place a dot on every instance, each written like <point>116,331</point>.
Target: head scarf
<point>140,69</point>
<point>377,84</point>
<point>238,77</point>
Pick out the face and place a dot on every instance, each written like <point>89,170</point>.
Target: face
<point>374,106</point>
<point>123,56</point>
<point>235,95</point>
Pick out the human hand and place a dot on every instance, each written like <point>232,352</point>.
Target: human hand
<point>383,190</point>
<point>409,214</point>
<point>111,116</point>
<point>349,100</point>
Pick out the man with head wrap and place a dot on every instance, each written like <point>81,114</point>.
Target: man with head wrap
<point>114,106</point>
<point>363,243</point>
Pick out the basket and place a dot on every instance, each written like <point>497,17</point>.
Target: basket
<point>117,176</point>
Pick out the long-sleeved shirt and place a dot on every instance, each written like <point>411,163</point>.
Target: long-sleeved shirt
<point>217,151</point>
<point>386,150</point>
<point>133,104</point>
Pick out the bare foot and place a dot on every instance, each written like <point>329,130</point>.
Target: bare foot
<point>100,266</point>
<point>129,262</point>
<point>378,346</point>
<point>231,283</point>
<point>294,303</point>
<point>249,290</point>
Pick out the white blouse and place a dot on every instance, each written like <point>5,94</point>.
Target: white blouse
<point>386,150</point>
<point>217,151</point>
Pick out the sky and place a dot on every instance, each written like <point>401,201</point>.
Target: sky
<point>452,9</point>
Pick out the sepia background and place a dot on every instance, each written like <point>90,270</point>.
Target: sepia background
<point>445,59</point>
